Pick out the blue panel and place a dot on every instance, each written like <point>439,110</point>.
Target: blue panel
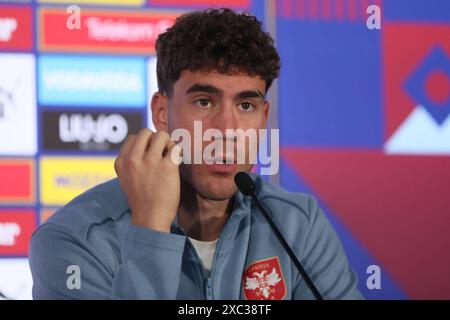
<point>258,10</point>
<point>66,80</point>
<point>330,85</point>
<point>436,60</point>
<point>417,10</point>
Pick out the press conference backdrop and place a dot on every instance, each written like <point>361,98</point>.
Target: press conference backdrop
<point>362,105</point>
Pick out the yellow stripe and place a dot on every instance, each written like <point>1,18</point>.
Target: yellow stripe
<point>63,178</point>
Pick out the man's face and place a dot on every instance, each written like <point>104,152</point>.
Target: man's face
<point>222,102</point>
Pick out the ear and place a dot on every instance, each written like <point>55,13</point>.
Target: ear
<point>159,107</point>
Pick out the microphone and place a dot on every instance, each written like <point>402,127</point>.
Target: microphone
<point>247,186</point>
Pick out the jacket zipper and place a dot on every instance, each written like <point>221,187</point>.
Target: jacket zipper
<point>209,282</point>
<point>199,264</point>
<point>208,289</point>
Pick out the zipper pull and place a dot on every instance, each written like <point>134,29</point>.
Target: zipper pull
<point>208,289</point>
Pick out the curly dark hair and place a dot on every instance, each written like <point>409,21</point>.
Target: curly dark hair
<point>215,39</point>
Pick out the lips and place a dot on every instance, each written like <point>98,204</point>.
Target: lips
<point>220,159</point>
<point>222,167</point>
<point>219,164</point>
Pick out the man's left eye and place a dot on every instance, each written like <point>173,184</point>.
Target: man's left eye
<point>246,106</point>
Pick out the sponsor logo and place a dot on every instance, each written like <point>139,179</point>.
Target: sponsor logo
<point>264,280</point>
<point>64,178</point>
<point>103,31</point>
<point>88,131</point>
<point>7,28</point>
<point>16,227</point>
<point>17,181</point>
<point>417,85</point>
<point>15,28</point>
<point>17,105</point>
<point>92,81</point>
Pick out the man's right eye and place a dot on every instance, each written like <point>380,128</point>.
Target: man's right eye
<point>203,103</point>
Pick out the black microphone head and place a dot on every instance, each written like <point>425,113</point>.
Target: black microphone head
<point>244,183</point>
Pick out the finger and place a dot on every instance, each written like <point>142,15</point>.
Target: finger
<point>124,149</point>
<point>127,144</point>
<point>160,142</point>
<point>141,143</point>
<point>175,154</point>
<point>169,145</point>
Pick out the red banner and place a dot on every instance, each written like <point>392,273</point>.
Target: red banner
<point>110,31</point>
<point>16,28</point>
<point>16,227</point>
<point>17,181</point>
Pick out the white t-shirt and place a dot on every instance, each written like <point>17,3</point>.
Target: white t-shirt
<point>205,250</point>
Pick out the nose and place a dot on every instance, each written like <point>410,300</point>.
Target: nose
<point>224,118</point>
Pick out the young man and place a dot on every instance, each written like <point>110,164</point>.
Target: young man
<point>169,231</point>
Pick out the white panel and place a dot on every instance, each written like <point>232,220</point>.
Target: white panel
<point>420,134</point>
<point>15,279</point>
<point>18,134</point>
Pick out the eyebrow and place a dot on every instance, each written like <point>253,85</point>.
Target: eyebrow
<point>249,94</point>
<point>214,90</point>
<point>203,88</point>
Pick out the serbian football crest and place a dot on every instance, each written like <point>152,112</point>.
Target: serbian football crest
<point>264,280</point>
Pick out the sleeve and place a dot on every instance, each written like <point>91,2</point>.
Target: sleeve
<point>66,267</point>
<point>325,261</point>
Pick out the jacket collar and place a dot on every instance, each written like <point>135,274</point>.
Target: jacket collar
<point>117,205</point>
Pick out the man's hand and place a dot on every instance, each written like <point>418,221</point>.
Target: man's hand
<point>150,178</point>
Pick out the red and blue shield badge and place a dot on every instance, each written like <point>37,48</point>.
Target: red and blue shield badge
<point>264,280</point>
